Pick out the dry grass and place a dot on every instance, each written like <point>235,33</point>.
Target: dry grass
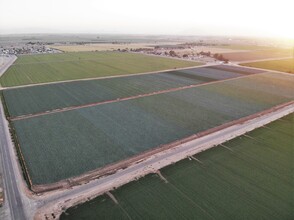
<point>217,49</point>
<point>110,46</point>
<point>259,54</point>
<point>106,46</point>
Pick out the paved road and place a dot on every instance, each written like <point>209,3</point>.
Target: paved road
<point>12,192</point>
<point>7,62</point>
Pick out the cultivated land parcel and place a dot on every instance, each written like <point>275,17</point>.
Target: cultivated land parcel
<point>70,66</point>
<point>66,144</point>
<point>284,65</point>
<point>30,100</point>
<point>251,179</point>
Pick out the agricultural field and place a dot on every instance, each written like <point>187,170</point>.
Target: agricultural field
<point>285,65</point>
<point>116,46</point>
<point>30,100</point>
<point>103,46</point>
<point>259,54</point>
<point>66,144</point>
<point>70,66</point>
<point>252,180</point>
<point>244,47</point>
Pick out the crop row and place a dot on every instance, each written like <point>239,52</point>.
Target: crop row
<point>252,181</point>
<point>66,144</point>
<point>36,99</point>
<point>70,66</point>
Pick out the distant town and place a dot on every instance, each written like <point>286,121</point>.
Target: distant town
<point>28,48</point>
<point>186,51</point>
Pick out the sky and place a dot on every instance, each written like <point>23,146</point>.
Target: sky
<point>269,18</point>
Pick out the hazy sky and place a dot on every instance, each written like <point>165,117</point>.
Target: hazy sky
<point>206,17</point>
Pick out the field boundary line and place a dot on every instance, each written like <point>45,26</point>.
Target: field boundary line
<point>22,117</point>
<point>161,157</point>
<point>108,77</point>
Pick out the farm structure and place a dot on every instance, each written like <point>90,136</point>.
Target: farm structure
<point>70,66</point>
<point>247,177</point>
<point>30,100</point>
<point>283,65</point>
<point>67,144</point>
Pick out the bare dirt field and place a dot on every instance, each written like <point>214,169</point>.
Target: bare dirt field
<point>198,49</point>
<point>104,46</point>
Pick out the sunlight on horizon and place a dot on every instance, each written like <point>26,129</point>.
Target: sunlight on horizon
<point>187,17</point>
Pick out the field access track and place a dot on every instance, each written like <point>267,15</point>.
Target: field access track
<point>68,144</point>
<point>28,101</point>
<point>249,177</point>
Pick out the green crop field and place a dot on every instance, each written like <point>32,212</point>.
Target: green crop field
<point>36,99</point>
<point>253,181</point>
<point>69,66</point>
<point>286,65</point>
<point>65,144</point>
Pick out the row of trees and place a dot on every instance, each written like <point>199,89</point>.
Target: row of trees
<point>220,57</point>
<point>216,56</point>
